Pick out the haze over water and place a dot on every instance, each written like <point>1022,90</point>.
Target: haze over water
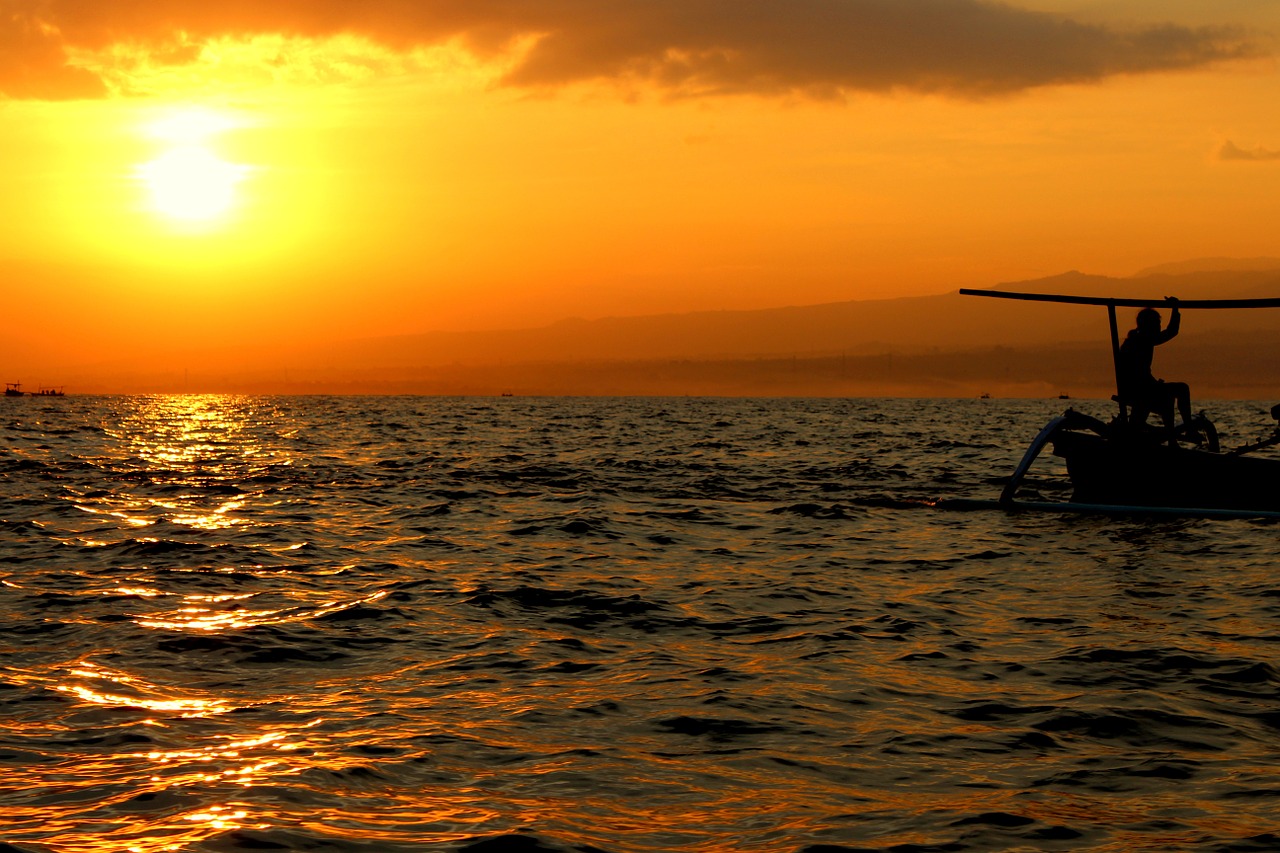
<point>394,624</point>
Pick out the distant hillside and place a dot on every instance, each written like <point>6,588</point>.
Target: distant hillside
<point>902,326</point>
<point>1212,265</point>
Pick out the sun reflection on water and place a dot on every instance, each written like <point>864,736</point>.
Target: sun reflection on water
<point>219,817</point>
<point>99,685</point>
<point>188,477</point>
<point>182,794</point>
<point>191,461</point>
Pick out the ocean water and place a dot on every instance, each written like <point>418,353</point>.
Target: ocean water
<point>402,624</point>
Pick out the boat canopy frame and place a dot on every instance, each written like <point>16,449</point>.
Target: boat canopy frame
<point>1111,303</point>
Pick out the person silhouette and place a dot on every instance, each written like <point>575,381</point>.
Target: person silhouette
<point>1137,386</point>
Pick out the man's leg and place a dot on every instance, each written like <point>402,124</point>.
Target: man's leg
<point>1161,402</point>
<point>1180,392</point>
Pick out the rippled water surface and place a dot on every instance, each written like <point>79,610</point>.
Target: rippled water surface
<point>394,624</point>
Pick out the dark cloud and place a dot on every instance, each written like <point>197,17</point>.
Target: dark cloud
<point>1231,151</point>
<point>818,47</point>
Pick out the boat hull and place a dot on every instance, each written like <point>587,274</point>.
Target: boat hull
<point>1140,473</point>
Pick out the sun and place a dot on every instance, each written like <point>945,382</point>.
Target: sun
<point>191,183</point>
<point>188,181</point>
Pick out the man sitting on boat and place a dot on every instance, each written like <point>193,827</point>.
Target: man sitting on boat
<point>1138,387</point>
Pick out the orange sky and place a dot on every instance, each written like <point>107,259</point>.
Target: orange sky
<point>179,171</point>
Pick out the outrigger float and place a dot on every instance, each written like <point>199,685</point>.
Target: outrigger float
<point>1126,466</point>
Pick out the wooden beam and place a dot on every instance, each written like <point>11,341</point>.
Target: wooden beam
<point>1273,302</point>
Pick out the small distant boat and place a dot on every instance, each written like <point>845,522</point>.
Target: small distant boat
<point>1064,396</point>
<point>14,389</point>
<point>1127,466</point>
<point>984,396</point>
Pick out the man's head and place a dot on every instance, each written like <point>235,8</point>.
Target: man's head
<point>1149,321</point>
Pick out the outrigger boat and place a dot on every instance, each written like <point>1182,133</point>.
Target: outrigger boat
<point>1127,466</point>
<point>14,389</point>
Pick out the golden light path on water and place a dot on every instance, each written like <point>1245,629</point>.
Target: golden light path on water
<point>160,433</point>
<point>190,446</point>
<point>182,452</point>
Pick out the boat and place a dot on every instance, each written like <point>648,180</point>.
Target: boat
<point>1126,465</point>
<point>14,389</point>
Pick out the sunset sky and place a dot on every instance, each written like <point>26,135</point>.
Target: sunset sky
<point>181,170</point>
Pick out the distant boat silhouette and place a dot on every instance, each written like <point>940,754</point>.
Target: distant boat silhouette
<point>14,389</point>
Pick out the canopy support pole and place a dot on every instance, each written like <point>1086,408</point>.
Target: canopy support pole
<point>1115,358</point>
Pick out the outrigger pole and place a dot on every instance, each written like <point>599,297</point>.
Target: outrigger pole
<point>1113,303</point>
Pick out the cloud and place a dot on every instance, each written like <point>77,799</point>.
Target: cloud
<point>1231,151</point>
<point>964,48</point>
<point>33,65</point>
